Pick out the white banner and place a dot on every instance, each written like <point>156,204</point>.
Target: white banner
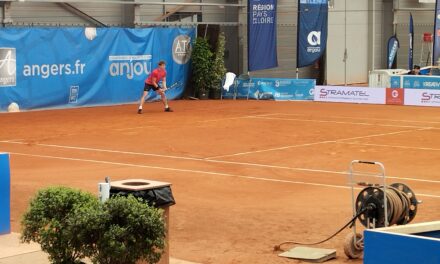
<point>348,94</point>
<point>422,97</point>
<point>427,1</point>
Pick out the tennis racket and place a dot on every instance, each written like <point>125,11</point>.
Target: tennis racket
<point>174,86</point>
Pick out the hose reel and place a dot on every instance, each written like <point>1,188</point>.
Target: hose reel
<point>378,205</point>
<point>401,205</point>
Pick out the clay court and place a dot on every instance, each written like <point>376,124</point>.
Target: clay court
<point>246,175</point>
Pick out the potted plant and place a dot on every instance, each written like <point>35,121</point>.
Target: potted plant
<point>47,222</point>
<point>218,68</point>
<point>201,67</point>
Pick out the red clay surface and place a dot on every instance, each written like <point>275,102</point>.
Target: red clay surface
<point>246,175</point>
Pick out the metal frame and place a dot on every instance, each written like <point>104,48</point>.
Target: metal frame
<point>136,3</point>
<point>69,5</point>
<point>155,23</point>
<point>352,183</point>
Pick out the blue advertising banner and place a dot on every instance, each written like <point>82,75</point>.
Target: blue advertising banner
<point>395,82</point>
<point>70,67</point>
<point>415,82</point>
<point>273,89</point>
<point>5,194</point>
<point>411,42</point>
<point>393,46</point>
<point>262,34</point>
<point>421,82</point>
<point>436,44</point>
<point>312,31</point>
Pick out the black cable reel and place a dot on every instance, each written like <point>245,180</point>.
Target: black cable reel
<point>401,207</point>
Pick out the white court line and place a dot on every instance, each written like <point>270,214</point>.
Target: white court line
<point>389,146</point>
<point>335,122</point>
<point>385,134</point>
<point>314,143</point>
<point>214,161</point>
<point>201,172</point>
<point>12,140</point>
<point>233,118</point>
<point>367,118</point>
<point>132,128</point>
<point>103,150</point>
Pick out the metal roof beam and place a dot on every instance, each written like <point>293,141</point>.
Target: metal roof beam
<point>136,2</point>
<point>173,11</point>
<point>78,12</point>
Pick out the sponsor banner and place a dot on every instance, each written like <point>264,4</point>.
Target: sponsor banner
<point>395,96</point>
<point>395,82</point>
<point>273,89</point>
<point>312,31</point>
<point>262,34</point>
<point>393,47</point>
<point>422,97</point>
<point>348,94</point>
<point>70,67</point>
<point>421,82</point>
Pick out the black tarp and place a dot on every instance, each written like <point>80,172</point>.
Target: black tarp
<point>158,197</point>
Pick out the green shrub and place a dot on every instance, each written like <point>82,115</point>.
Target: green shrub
<point>218,67</point>
<point>71,225</point>
<point>127,230</point>
<point>201,65</point>
<point>47,222</point>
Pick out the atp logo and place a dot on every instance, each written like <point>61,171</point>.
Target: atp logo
<point>314,38</point>
<point>8,65</point>
<point>182,49</point>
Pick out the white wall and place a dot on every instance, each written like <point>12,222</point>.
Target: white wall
<point>351,35</point>
<point>423,17</point>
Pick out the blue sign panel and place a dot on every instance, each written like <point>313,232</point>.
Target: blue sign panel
<point>421,82</point>
<point>262,34</point>
<point>395,82</point>
<point>312,31</point>
<point>273,89</point>
<point>5,194</point>
<point>393,46</point>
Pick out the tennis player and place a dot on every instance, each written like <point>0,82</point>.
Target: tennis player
<point>152,82</point>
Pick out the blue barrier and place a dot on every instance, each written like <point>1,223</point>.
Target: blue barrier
<point>416,243</point>
<point>5,194</point>
<point>71,67</point>
<point>272,89</point>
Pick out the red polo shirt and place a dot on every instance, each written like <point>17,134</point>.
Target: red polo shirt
<point>158,74</point>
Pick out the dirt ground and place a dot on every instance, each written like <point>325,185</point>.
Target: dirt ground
<point>246,175</point>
